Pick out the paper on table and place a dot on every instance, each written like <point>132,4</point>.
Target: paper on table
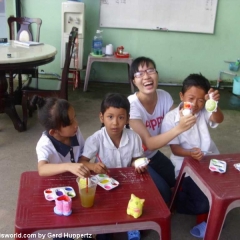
<point>29,43</point>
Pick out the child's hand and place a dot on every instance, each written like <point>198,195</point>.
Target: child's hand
<point>100,168</point>
<point>196,153</point>
<point>141,169</point>
<point>215,94</point>
<point>79,170</point>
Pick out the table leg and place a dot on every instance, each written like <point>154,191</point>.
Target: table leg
<point>88,70</point>
<point>215,219</point>
<point>165,226</point>
<point>10,83</point>
<point>176,189</point>
<point>7,104</point>
<point>130,80</point>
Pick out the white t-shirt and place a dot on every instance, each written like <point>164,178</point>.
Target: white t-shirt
<point>197,136</point>
<point>152,121</point>
<point>47,152</point>
<point>100,143</point>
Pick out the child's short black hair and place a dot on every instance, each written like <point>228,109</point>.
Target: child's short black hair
<point>196,80</point>
<point>116,100</point>
<point>52,112</point>
<point>140,61</point>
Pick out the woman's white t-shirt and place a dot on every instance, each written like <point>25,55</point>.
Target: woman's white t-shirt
<point>152,121</point>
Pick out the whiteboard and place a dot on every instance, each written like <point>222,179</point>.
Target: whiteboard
<point>172,15</point>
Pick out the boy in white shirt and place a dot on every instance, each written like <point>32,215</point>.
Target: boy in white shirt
<point>194,142</point>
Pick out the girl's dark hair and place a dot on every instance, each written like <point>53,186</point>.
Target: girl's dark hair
<point>116,100</point>
<point>52,112</point>
<point>196,80</point>
<point>140,61</point>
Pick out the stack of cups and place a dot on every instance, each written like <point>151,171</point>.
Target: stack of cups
<point>109,49</point>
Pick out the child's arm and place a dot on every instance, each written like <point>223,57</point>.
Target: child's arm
<point>50,169</point>
<point>98,167</point>
<point>195,153</point>
<point>217,116</point>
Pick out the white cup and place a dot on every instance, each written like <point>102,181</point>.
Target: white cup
<point>109,49</point>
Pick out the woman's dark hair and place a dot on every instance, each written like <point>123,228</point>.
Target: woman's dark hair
<point>116,100</point>
<point>52,112</point>
<point>140,61</point>
<point>196,80</point>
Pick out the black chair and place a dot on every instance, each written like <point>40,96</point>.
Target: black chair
<point>24,34</point>
<point>49,87</point>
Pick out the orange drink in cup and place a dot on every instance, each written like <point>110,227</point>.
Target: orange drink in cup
<point>87,189</point>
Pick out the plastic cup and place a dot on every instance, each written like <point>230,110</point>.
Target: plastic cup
<point>87,193</point>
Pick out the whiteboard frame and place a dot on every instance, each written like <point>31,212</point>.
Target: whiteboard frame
<point>120,14</point>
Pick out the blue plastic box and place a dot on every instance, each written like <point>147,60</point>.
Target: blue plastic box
<point>134,235</point>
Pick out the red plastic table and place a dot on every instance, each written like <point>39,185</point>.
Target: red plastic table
<point>35,215</point>
<point>221,189</point>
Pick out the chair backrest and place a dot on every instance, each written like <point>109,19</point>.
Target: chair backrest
<point>69,51</point>
<point>24,33</point>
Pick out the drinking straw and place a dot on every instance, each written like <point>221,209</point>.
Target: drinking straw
<point>86,185</point>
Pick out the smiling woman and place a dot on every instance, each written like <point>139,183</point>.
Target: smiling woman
<point>148,107</point>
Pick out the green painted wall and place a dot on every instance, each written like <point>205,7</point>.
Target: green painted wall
<point>10,7</point>
<point>176,53</point>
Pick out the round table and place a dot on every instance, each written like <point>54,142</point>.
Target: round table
<point>14,57</point>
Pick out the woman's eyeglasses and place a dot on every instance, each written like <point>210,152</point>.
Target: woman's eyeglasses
<point>149,71</point>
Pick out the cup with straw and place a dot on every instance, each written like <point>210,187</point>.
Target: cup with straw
<point>87,189</point>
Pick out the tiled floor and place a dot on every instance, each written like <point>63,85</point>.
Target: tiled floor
<point>17,154</point>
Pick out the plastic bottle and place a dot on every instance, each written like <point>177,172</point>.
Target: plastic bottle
<point>97,43</point>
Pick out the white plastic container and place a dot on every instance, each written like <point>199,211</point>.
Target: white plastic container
<point>109,49</point>
<point>141,162</point>
<point>236,85</point>
<point>97,43</point>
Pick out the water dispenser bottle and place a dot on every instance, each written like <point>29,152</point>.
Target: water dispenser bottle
<point>97,43</point>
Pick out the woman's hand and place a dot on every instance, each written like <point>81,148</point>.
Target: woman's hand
<point>186,122</point>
